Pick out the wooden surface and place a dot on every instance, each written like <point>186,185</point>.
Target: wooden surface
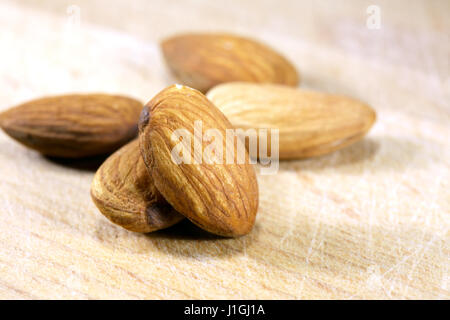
<point>370,221</point>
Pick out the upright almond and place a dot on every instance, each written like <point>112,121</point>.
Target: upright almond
<point>73,126</point>
<point>202,61</point>
<point>310,123</point>
<point>124,193</point>
<point>218,196</point>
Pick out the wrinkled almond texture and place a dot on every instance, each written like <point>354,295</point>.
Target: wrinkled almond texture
<point>220,198</point>
<point>202,61</point>
<point>310,123</point>
<point>124,192</point>
<point>75,125</point>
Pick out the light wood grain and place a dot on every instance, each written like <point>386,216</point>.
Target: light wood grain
<point>369,221</point>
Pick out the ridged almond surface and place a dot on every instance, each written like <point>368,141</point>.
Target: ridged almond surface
<point>310,123</point>
<point>73,126</point>
<point>220,198</point>
<point>124,192</point>
<point>202,61</point>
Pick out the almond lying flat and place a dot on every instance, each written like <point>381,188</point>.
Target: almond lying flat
<point>73,126</point>
<point>310,123</point>
<point>202,61</point>
<point>124,193</point>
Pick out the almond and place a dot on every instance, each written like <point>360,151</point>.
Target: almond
<point>124,193</point>
<point>221,198</point>
<point>75,125</point>
<point>202,61</point>
<point>310,123</point>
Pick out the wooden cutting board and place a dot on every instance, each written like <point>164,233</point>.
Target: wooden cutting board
<point>370,221</point>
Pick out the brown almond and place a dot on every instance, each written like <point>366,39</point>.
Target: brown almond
<point>310,123</point>
<point>124,193</point>
<point>221,198</point>
<point>73,126</point>
<point>202,61</point>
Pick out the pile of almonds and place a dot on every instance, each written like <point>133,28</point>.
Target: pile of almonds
<point>248,86</point>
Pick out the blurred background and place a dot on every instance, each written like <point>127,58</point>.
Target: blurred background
<point>57,46</point>
<point>368,221</point>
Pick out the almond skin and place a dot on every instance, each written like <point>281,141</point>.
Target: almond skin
<point>220,198</point>
<point>202,61</point>
<point>124,193</point>
<point>310,123</point>
<point>73,126</point>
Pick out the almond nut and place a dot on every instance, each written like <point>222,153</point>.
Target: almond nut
<point>310,123</point>
<point>202,61</point>
<point>221,198</point>
<point>124,193</point>
<point>75,125</point>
